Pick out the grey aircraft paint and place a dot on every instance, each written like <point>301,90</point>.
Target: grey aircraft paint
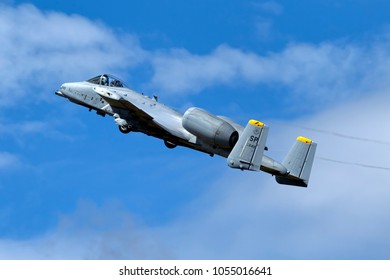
<point>196,129</point>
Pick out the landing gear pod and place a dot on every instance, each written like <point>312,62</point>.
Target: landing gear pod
<point>124,127</point>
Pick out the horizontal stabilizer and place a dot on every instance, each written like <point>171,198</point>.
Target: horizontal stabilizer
<point>247,154</point>
<point>298,162</point>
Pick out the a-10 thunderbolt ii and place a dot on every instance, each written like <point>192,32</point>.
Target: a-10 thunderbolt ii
<point>196,129</point>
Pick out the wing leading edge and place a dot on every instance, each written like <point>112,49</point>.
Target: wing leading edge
<point>115,99</point>
<point>148,112</point>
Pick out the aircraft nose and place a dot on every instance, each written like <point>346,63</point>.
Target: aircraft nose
<point>60,91</point>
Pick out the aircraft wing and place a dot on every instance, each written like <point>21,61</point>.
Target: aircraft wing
<point>149,124</point>
<point>117,100</point>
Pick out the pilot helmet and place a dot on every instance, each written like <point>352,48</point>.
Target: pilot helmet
<point>104,80</point>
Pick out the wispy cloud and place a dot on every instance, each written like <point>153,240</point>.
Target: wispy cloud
<point>266,13</point>
<point>40,49</point>
<point>22,128</point>
<point>271,7</point>
<point>9,160</point>
<point>91,233</point>
<point>324,72</point>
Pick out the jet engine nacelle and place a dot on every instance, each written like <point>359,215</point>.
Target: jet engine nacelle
<point>210,128</point>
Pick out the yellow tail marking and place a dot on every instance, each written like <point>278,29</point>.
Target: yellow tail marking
<point>256,123</point>
<point>304,139</point>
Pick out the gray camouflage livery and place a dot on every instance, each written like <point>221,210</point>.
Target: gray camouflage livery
<point>196,129</point>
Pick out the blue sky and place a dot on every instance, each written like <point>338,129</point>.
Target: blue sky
<point>73,187</point>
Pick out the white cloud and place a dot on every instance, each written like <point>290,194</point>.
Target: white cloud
<point>324,72</point>
<point>39,50</point>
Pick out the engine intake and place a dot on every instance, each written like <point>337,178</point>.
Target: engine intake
<point>210,128</point>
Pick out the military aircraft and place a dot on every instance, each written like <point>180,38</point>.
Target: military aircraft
<point>196,129</point>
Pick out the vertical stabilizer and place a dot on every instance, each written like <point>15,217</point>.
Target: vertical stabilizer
<point>247,153</point>
<point>299,162</point>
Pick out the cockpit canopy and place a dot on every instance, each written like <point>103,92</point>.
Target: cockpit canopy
<point>107,80</point>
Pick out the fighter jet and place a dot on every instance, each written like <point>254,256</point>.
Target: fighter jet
<point>197,129</point>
